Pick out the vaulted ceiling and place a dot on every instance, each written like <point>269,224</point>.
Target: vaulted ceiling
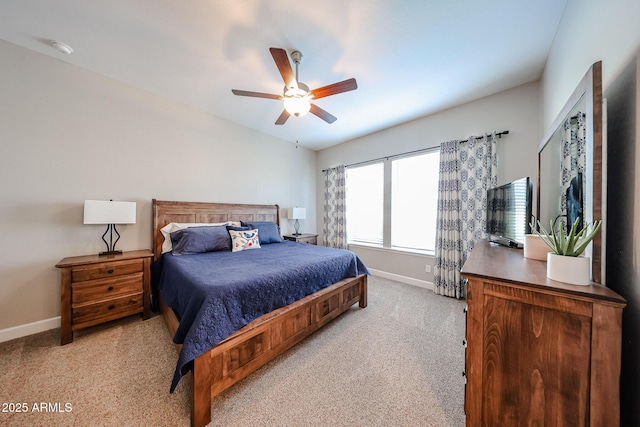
<point>410,58</point>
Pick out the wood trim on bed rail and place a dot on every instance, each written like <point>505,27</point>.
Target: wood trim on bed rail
<point>264,339</point>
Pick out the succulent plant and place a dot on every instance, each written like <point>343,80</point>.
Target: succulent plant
<point>572,244</point>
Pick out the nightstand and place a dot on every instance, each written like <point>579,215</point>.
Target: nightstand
<point>311,239</point>
<point>97,289</point>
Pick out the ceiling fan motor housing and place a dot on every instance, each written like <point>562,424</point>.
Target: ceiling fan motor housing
<point>300,91</point>
<point>296,56</point>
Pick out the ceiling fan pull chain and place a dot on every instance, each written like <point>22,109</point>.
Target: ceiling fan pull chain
<point>297,118</point>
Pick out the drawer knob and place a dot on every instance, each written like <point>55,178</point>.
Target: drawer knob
<point>110,288</point>
<point>112,306</point>
<point>109,271</point>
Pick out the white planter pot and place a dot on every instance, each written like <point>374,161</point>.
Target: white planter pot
<point>535,247</point>
<point>568,269</point>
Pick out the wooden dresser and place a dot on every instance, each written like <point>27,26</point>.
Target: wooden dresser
<point>538,352</point>
<point>97,289</point>
<point>311,239</point>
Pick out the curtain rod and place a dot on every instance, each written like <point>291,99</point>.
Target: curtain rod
<point>498,134</point>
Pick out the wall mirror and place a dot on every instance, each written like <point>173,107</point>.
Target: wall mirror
<point>570,164</point>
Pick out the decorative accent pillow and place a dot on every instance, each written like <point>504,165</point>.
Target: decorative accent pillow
<point>196,240</point>
<point>243,240</point>
<point>268,231</point>
<point>175,226</point>
<point>238,228</point>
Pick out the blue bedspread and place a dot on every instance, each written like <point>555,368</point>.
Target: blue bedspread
<point>217,293</point>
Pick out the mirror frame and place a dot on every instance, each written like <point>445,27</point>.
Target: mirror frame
<point>590,87</point>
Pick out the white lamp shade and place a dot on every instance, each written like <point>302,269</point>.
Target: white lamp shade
<point>297,213</point>
<point>297,106</point>
<point>109,212</point>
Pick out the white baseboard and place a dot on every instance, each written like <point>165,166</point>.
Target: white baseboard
<point>402,279</point>
<point>29,329</point>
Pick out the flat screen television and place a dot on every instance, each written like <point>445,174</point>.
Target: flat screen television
<point>509,212</point>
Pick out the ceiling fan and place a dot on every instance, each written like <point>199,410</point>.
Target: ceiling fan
<point>296,95</point>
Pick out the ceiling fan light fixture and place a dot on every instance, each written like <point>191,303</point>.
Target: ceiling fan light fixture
<point>297,106</point>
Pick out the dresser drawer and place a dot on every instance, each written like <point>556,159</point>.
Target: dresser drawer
<point>96,290</point>
<point>312,240</point>
<point>84,315</point>
<point>105,270</point>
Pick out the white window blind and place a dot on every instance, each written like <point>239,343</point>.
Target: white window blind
<point>365,203</point>
<point>414,201</point>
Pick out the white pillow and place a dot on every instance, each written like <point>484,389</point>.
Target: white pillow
<point>243,240</point>
<point>175,226</point>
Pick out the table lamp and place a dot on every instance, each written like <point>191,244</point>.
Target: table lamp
<point>110,213</point>
<point>297,214</point>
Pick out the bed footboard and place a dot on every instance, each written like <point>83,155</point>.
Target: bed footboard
<point>264,339</point>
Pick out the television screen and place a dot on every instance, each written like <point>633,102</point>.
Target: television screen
<point>509,211</point>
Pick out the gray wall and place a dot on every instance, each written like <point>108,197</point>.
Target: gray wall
<point>67,134</point>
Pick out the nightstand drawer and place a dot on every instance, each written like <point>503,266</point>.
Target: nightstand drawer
<point>312,240</point>
<point>91,314</point>
<point>97,290</point>
<point>106,269</point>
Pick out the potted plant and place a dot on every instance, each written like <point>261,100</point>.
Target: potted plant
<point>565,263</point>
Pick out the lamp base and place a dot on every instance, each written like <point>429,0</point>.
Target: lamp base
<point>111,245</point>
<point>297,234</point>
<point>107,253</point>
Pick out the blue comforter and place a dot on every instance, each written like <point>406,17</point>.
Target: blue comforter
<point>217,293</point>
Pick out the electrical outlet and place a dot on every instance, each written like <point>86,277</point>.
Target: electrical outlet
<point>427,268</point>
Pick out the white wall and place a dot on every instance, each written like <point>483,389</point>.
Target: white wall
<point>590,31</point>
<point>516,110</point>
<point>67,134</point>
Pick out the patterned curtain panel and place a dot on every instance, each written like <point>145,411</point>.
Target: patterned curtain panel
<point>573,165</point>
<point>335,213</point>
<point>467,170</point>
<point>448,259</point>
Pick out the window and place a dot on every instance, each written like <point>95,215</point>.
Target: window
<point>365,203</point>
<point>414,201</point>
<point>398,211</point>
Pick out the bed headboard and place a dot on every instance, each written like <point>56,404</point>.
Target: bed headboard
<point>165,212</point>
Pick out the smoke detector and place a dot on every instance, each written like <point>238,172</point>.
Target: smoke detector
<point>62,47</point>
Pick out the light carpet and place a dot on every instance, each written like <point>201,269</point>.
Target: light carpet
<point>398,362</point>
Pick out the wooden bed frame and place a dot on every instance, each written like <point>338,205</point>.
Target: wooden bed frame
<point>265,338</point>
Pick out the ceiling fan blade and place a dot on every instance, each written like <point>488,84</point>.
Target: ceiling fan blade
<point>322,114</point>
<point>255,94</point>
<point>333,89</point>
<point>283,117</point>
<point>284,66</point>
